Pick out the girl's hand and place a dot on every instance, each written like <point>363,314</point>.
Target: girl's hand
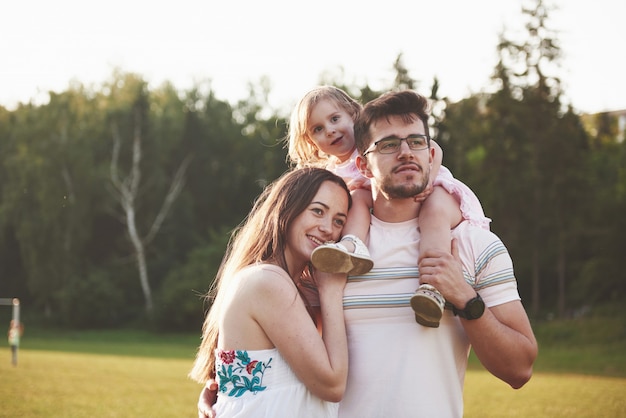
<point>422,196</point>
<point>359,183</point>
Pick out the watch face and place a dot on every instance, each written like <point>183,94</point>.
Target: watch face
<point>475,308</point>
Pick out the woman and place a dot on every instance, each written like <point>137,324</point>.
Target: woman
<point>260,340</point>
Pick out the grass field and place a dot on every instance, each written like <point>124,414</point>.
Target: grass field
<point>140,374</point>
<point>67,385</point>
<point>546,395</point>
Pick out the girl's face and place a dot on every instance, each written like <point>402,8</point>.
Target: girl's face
<point>331,129</point>
<point>321,221</point>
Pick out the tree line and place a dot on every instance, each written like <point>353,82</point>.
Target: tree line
<point>116,202</point>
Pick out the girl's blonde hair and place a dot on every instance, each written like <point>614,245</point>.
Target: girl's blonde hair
<point>302,152</point>
<point>261,237</point>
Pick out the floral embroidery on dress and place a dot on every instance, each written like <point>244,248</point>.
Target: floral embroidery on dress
<point>239,373</point>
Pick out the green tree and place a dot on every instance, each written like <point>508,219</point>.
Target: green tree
<point>547,143</point>
<point>49,191</point>
<point>601,278</point>
<point>127,193</point>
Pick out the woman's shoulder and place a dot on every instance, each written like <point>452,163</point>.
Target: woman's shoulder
<point>262,269</point>
<point>262,277</point>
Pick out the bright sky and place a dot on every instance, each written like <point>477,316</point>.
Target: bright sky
<point>44,45</point>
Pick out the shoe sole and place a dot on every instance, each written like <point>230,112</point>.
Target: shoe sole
<point>425,323</point>
<point>331,260</point>
<point>428,312</point>
<point>361,265</point>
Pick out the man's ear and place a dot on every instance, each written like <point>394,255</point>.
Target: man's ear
<point>361,164</point>
<point>431,157</point>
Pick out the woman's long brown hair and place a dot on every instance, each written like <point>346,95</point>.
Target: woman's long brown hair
<point>261,237</point>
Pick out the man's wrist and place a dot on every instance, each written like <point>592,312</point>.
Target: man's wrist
<point>473,308</point>
<point>459,301</point>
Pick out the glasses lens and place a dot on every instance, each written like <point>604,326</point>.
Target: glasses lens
<point>388,146</point>
<point>416,142</point>
<point>392,145</point>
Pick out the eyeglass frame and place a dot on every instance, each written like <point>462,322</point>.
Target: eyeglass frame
<point>373,147</point>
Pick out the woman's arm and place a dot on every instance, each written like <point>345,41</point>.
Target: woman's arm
<point>320,362</point>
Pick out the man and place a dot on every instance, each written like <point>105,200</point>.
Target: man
<point>397,367</point>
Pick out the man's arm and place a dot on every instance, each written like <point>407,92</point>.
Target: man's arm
<point>207,398</point>
<point>504,342</point>
<point>502,337</point>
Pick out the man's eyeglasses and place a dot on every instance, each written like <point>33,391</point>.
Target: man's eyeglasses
<point>391,145</point>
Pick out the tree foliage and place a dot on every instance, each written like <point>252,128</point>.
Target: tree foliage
<point>534,167</point>
<point>556,191</point>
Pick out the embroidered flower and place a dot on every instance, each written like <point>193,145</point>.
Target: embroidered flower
<point>238,374</point>
<point>227,356</point>
<point>250,367</point>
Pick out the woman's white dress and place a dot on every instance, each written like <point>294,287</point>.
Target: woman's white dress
<point>261,384</point>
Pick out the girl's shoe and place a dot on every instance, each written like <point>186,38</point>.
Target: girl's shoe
<point>428,305</point>
<point>335,257</point>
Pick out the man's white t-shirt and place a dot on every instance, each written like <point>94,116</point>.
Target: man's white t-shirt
<point>399,368</point>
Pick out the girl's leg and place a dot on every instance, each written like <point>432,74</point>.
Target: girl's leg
<point>358,223</point>
<point>439,213</point>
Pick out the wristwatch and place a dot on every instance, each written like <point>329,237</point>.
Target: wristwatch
<point>474,308</point>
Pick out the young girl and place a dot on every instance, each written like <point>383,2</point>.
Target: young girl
<point>259,339</point>
<point>321,134</point>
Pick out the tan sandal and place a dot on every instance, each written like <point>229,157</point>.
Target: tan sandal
<point>335,257</point>
<point>428,305</point>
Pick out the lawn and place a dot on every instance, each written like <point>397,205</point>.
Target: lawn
<point>141,374</point>
<point>68,385</point>
<point>118,373</point>
<point>546,395</point>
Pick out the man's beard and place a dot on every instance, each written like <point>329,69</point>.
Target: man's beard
<point>404,191</point>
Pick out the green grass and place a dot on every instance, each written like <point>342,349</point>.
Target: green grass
<point>121,342</point>
<point>580,372</point>
<point>58,384</point>
<point>545,395</point>
<point>121,373</point>
<point>594,346</point>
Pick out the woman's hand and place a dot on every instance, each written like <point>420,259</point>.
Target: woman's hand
<point>329,281</point>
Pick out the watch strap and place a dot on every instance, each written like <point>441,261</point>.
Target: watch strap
<point>465,312</point>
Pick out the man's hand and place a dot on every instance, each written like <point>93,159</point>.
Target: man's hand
<point>207,399</point>
<point>445,272</point>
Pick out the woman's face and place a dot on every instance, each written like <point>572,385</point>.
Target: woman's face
<point>321,221</point>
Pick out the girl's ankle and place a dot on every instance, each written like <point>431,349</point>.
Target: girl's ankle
<point>349,244</point>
